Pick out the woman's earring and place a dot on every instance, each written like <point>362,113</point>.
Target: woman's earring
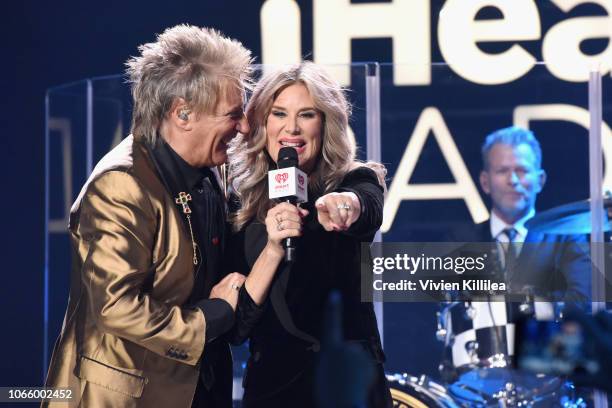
<point>183,115</point>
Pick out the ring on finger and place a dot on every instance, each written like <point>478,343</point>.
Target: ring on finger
<point>343,206</point>
<point>279,218</point>
<point>279,226</point>
<point>234,286</point>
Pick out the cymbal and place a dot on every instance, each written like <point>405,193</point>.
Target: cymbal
<point>571,218</point>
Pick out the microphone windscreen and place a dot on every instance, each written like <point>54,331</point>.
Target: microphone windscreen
<point>287,157</point>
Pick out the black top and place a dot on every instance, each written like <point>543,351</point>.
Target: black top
<point>326,261</point>
<point>208,223</point>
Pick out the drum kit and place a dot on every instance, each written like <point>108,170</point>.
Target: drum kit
<point>478,340</point>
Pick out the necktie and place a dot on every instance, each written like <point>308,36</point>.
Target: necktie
<point>511,250</point>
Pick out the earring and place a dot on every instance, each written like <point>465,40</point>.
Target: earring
<point>183,115</point>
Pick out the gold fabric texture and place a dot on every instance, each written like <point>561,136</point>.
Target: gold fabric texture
<point>127,339</point>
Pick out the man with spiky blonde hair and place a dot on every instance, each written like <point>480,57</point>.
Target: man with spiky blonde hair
<point>148,304</point>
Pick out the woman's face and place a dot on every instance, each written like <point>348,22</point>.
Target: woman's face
<point>293,121</point>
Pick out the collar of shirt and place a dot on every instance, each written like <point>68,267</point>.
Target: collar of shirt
<point>192,175</point>
<point>497,227</point>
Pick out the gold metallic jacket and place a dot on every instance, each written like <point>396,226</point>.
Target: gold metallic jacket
<point>127,339</point>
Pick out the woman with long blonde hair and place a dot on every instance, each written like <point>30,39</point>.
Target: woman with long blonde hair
<point>303,108</point>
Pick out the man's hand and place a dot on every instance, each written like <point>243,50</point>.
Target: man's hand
<point>228,289</point>
<point>338,211</point>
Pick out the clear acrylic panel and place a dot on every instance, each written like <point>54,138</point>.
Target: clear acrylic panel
<point>84,120</point>
<point>432,135</point>
<point>606,143</point>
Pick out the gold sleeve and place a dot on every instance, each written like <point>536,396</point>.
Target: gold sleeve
<point>118,226</point>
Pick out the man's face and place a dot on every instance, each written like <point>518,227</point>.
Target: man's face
<point>512,180</point>
<point>207,142</point>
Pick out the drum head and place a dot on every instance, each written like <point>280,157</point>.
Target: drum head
<point>485,387</point>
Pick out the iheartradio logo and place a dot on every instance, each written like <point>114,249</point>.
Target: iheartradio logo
<point>282,178</point>
<point>288,182</point>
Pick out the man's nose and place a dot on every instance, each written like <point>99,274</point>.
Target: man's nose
<point>514,178</point>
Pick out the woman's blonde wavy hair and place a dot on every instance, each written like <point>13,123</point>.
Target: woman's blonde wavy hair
<point>249,161</point>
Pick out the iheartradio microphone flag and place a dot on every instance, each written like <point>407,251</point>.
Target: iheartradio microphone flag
<point>288,182</point>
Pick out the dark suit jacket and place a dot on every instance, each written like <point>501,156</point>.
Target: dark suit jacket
<point>557,266</point>
<point>327,261</point>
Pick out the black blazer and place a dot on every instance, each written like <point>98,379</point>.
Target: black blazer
<point>326,261</point>
<point>558,266</point>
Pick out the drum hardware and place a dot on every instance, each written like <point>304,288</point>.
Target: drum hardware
<point>527,307</point>
<point>418,392</point>
<point>480,335</point>
<point>509,396</point>
<point>470,311</point>
<point>568,402</point>
<point>441,331</point>
<point>558,310</point>
<point>472,349</point>
<point>498,360</point>
<point>443,322</point>
<point>496,387</point>
<point>486,382</point>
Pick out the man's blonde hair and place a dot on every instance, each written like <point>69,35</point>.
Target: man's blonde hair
<point>193,63</point>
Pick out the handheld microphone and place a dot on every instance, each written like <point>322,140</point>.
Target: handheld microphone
<point>289,184</point>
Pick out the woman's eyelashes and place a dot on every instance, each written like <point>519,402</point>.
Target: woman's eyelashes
<point>278,114</point>
<point>310,114</point>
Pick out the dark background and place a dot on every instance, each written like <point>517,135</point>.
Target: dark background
<point>49,43</point>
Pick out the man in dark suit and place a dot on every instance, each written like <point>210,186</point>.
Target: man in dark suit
<point>542,270</point>
<point>557,267</point>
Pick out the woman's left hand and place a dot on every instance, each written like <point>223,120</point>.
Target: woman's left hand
<point>338,211</point>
